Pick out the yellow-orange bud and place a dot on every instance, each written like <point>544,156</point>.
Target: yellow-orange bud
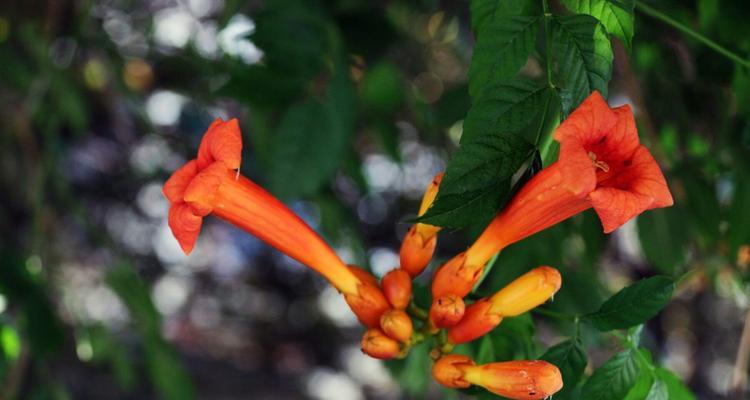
<point>397,288</point>
<point>397,325</point>
<point>448,373</point>
<point>368,302</point>
<point>526,292</point>
<point>377,344</point>
<point>518,380</point>
<point>417,250</point>
<point>446,311</point>
<point>419,244</point>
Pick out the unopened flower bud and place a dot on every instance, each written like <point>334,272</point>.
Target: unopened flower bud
<point>419,243</point>
<point>397,288</point>
<point>526,292</point>
<point>377,344</point>
<point>448,373</point>
<point>446,311</point>
<point>368,302</point>
<point>518,380</point>
<point>477,321</point>
<point>397,325</point>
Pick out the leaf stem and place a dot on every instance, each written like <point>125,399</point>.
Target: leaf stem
<point>648,10</point>
<point>556,314</point>
<point>548,41</point>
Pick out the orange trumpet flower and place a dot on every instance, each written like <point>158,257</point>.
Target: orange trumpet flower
<point>523,294</point>
<point>211,184</point>
<point>520,380</point>
<point>601,165</point>
<point>419,243</point>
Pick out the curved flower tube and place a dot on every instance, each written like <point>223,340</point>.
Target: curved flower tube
<point>419,243</point>
<point>601,165</point>
<point>520,380</point>
<point>523,294</point>
<point>211,184</point>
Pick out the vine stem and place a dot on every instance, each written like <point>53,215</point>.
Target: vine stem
<point>654,13</point>
<point>548,41</point>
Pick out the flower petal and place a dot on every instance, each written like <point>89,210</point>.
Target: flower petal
<point>202,189</point>
<point>622,140</point>
<point>639,187</point>
<point>185,225</point>
<point>222,142</point>
<point>174,187</point>
<point>589,122</point>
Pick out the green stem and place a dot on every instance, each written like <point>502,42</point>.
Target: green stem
<point>418,312</point>
<point>556,314</point>
<point>648,10</point>
<point>548,41</point>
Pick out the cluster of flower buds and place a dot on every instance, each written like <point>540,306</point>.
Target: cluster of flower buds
<point>601,165</point>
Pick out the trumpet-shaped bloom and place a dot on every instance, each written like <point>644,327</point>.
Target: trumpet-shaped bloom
<point>601,165</point>
<point>211,184</point>
<point>523,294</point>
<point>520,380</point>
<point>419,243</point>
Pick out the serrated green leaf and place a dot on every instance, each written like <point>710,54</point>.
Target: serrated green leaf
<point>478,179</point>
<point>613,380</point>
<point>583,53</point>
<point>505,107</point>
<point>634,304</point>
<point>615,15</point>
<point>676,389</point>
<point>570,357</point>
<point>502,48</point>
<point>658,391</point>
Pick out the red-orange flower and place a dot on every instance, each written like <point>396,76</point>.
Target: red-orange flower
<point>601,165</point>
<point>211,184</point>
<point>520,380</point>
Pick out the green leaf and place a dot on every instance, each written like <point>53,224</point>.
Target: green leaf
<point>677,390</point>
<point>478,178</point>
<point>312,140</point>
<point>659,391</point>
<point>502,48</point>
<point>484,11</point>
<point>663,234</point>
<point>382,88</point>
<point>613,380</point>
<point>164,368</point>
<point>615,15</point>
<point>634,304</point>
<point>293,36</point>
<point>513,339</point>
<point>410,372</point>
<point>570,357</point>
<point>486,352</point>
<point>583,53</point>
<point>477,181</point>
